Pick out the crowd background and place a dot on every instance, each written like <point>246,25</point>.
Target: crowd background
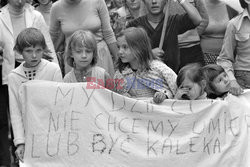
<point>196,33</point>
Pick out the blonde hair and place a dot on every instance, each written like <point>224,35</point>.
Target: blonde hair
<point>84,39</point>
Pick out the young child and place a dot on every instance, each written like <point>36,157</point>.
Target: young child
<point>82,56</point>
<point>30,43</point>
<point>191,83</point>
<point>218,84</point>
<point>140,73</point>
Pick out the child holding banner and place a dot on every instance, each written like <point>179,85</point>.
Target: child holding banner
<point>191,83</point>
<point>140,73</point>
<point>30,43</point>
<point>218,84</point>
<point>82,56</point>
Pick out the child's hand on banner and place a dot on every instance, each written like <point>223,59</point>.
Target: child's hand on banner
<point>235,88</point>
<point>20,152</point>
<point>159,97</point>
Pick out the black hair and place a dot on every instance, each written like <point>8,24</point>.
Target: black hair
<point>192,71</point>
<point>243,4</point>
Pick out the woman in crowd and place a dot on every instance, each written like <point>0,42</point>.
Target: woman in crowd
<point>140,73</point>
<point>67,16</point>
<point>212,38</point>
<point>153,21</point>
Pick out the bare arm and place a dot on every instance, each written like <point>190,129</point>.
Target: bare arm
<point>108,33</point>
<point>200,5</point>
<point>191,11</point>
<point>114,50</point>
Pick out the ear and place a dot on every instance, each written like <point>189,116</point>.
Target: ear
<point>203,84</point>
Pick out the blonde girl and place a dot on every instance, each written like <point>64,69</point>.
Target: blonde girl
<point>82,56</point>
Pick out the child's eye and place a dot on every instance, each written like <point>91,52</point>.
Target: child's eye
<point>39,50</point>
<point>78,51</point>
<point>88,51</point>
<point>29,51</point>
<point>125,46</point>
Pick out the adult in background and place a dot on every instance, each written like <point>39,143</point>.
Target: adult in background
<point>235,53</point>
<point>189,42</point>
<point>212,38</point>
<point>67,16</point>
<point>129,11</point>
<point>153,21</point>
<point>44,7</point>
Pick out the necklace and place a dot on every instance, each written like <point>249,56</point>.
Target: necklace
<point>81,75</point>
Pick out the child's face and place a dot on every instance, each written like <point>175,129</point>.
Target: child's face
<point>82,57</point>
<point>32,55</point>
<point>221,83</point>
<point>124,52</point>
<point>192,90</point>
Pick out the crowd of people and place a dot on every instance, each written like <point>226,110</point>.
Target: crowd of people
<point>159,49</point>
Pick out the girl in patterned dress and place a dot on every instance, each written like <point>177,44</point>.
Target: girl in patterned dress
<point>140,73</point>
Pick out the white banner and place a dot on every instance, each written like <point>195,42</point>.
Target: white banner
<point>69,125</point>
